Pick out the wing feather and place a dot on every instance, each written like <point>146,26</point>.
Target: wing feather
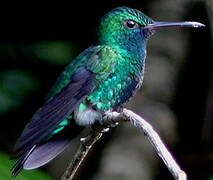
<point>79,79</point>
<point>56,110</point>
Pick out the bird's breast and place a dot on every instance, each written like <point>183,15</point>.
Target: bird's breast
<point>86,116</point>
<point>117,89</point>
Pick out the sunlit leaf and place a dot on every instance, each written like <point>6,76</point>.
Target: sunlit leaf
<point>15,84</point>
<point>5,171</point>
<point>210,178</point>
<point>55,52</point>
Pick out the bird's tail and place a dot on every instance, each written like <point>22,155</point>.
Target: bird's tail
<point>40,155</point>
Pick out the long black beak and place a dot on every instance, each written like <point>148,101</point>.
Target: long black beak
<point>161,24</point>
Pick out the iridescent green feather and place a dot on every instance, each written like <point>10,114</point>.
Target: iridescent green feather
<point>99,60</point>
<point>118,62</point>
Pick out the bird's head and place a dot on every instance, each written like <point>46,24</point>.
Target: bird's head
<point>124,26</point>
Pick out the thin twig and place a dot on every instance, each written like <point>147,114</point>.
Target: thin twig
<point>110,119</point>
<point>85,146</point>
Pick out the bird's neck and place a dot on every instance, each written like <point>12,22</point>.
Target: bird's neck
<point>133,47</point>
<point>134,52</point>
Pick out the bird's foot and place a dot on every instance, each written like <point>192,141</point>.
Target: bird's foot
<point>106,122</point>
<point>108,119</point>
<point>100,128</point>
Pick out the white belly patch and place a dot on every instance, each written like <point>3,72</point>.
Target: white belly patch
<point>87,117</point>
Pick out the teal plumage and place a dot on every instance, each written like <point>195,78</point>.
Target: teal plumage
<point>123,50</point>
<point>102,78</point>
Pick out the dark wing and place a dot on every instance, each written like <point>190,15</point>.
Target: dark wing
<point>39,155</point>
<point>56,110</point>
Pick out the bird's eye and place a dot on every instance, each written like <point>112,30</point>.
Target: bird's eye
<point>130,24</point>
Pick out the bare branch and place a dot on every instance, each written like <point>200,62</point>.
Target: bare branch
<point>85,146</point>
<point>110,119</point>
<point>157,143</point>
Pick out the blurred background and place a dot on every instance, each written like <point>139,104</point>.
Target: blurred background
<point>38,40</point>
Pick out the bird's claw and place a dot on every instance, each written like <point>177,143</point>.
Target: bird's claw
<point>105,130</point>
<point>83,139</point>
<point>108,120</point>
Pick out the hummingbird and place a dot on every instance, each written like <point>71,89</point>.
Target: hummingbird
<point>101,79</point>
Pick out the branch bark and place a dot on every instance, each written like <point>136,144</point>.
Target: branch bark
<point>109,120</point>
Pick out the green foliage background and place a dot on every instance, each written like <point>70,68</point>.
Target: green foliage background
<point>5,173</point>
